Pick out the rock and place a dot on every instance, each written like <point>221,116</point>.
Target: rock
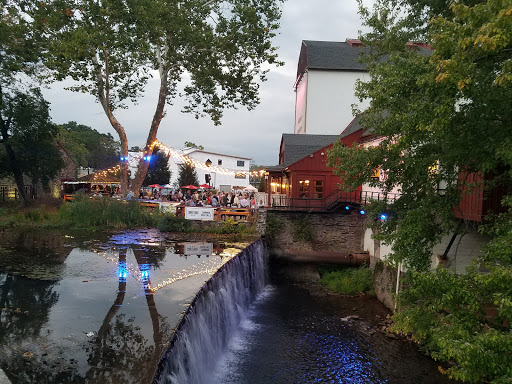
<point>390,335</point>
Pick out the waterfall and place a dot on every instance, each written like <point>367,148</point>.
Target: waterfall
<point>215,313</point>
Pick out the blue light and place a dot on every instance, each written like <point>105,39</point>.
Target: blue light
<point>347,207</point>
<point>124,158</point>
<point>122,272</point>
<point>362,211</point>
<point>383,217</point>
<point>147,158</point>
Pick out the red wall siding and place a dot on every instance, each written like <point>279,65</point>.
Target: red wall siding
<point>471,204</point>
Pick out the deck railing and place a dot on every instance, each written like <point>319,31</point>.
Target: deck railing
<point>333,200</point>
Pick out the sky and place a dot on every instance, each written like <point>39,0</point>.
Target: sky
<point>255,134</point>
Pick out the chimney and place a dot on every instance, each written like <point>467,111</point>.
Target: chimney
<point>354,42</point>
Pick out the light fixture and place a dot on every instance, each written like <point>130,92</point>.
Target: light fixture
<point>383,216</point>
<point>362,211</point>
<point>208,163</point>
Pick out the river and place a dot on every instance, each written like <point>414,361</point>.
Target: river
<point>101,308</point>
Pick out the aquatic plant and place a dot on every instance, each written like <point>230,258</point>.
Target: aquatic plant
<point>172,223</point>
<point>347,280</point>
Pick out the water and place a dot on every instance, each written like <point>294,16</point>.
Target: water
<point>101,308</point>
<point>76,310</point>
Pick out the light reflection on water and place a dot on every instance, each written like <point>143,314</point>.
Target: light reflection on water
<point>98,313</point>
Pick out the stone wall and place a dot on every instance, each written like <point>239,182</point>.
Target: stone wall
<point>330,231</point>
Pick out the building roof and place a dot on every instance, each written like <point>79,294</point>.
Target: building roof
<point>298,146</point>
<point>106,176</point>
<point>337,55</point>
<point>334,55</point>
<point>188,151</point>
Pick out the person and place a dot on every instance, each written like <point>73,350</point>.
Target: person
<point>215,201</point>
<point>243,202</point>
<point>130,195</point>
<point>141,194</point>
<point>236,201</point>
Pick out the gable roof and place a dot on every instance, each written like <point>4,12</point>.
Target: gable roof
<point>298,146</point>
<point>333,55</point>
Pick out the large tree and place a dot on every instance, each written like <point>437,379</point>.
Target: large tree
<point>27,137</point>
<point>441,115</point>
<point>27,140</point>
<point>87,146</point>
<point>216,50</point>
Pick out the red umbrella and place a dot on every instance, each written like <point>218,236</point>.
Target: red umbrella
<point>190,187</point>
<point>205,186</point>
<point>155,186</point>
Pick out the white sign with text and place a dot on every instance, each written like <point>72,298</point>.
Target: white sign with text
<point>198,249</point>
<point>199,213</point>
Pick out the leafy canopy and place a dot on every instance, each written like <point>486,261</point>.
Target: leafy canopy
<point>441,113</point>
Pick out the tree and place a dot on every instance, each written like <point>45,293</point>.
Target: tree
<point>187,175</point>
<point>111,49</point>
<point>88,147</point>
<point>158,171</point>
<point>28,142</point>
<point>27,145</point>
<point>189,144</point>
<point>441,114</point>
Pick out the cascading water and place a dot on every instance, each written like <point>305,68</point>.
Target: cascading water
<point>215,313</point>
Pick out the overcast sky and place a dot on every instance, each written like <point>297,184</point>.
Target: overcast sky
<point>255,134</point>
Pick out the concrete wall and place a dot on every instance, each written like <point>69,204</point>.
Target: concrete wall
<point>466,248</point>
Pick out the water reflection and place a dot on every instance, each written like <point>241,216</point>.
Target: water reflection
<point>100,313</point>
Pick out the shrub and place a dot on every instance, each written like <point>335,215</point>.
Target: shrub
<point>107,213</point>
<point>346,280</point>
<point>171,223</point>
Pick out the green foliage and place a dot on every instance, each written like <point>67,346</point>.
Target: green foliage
<point>347,281</point>
<point>27,138</point>
<point>158,171</point>
<point>187,175</point>
<point>464,319</point>
<point>274,226</point>
<point>302,228</point>
<point>442,114</point>
<point>83,212</point>
<point>87,147</point>
<point>230,226</point>
<point>172,223</point>
<point>189,144</point>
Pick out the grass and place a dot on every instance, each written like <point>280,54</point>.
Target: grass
<point>347,280</point>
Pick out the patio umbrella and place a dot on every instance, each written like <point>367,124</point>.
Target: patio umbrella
<point>205,186</point>
<point>155,186</point>
<point>190,187</point>
<point>250,188</point>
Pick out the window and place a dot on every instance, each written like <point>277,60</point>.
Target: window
<point>219,162</point>
<point>318,191</point>
<point>4,190</point>
<point>303,188</point>
<point>375,173</point>
<point>240,163</point>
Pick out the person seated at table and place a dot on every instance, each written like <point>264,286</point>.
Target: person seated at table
<point>190,203</point>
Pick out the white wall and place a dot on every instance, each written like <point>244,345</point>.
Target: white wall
<point>330,95</point>
<point>300,105</point>
<point>218,177</point>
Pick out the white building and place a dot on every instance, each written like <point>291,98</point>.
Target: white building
<point>226,171</point>
<point>325,86</point>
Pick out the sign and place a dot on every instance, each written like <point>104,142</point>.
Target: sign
<point>198,249</point>
<point>199,213</point>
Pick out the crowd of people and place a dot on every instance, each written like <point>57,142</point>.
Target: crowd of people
<point>199,198</point>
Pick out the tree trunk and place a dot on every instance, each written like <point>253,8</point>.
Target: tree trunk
<point>11,160</point>
<point>157,118</point>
